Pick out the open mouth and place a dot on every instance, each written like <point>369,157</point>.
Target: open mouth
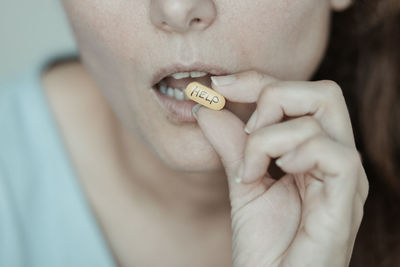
<point>174,85</point>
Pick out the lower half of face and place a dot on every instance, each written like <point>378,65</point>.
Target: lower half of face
<point>124,49</point>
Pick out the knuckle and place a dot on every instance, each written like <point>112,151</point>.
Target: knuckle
<point>365,191</point>
<point>354,157</point>
<point>330,84</point>
<point>360,209</point>
<point>259,77</point>
<point>253,141</point>
<point>316,143</point>
<point>268,93</point>
<point>311,123</point>
<point>364,186</point>
<point>260,142</point>
<point>351,160</point>
<point>332,89</point>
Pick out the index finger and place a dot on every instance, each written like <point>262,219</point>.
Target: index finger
<point>247,85</point>
<point>276,99</point>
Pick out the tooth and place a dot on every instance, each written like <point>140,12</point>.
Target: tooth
<point>180,75</point>
<point>170,92</point>
<point>163,88</point>
<point>178,94</point>
<point>197,74</point>
<point>185,96</point>
<point>184,92</point>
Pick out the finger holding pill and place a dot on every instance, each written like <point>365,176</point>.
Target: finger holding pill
<point>205,96</point>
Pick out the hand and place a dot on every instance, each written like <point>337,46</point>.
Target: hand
<point>310,216</point>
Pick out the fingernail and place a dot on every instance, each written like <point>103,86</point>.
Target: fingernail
<point>223,80</point>
<point>195,109</point>
<point>239,176</point>
<point>285,158</point>
<point>251,123</point>
<point>278,162</point>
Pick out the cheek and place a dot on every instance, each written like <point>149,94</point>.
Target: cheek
<point>284,39</point>
<point>108,29</point>
<point>107,37</point>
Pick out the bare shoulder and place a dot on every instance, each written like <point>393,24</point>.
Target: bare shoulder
<point>78,107</point>
<point>69,88</point>
<point>72,94</point>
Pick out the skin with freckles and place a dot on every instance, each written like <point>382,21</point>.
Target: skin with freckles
<point>122,44</point>
<point>161,186</point>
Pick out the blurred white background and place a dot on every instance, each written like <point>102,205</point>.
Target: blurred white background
<point>30,30</point>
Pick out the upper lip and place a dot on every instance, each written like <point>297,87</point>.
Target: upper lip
<point>178,67</point>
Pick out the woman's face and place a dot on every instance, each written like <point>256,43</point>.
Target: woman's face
<point>129,45</point>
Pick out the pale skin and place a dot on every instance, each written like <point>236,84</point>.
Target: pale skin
<point>154,196</point>
<point>314,211</point>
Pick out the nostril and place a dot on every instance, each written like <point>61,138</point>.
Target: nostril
<point>195,22</point>
<point>182,16</point>
<point>164,25</point>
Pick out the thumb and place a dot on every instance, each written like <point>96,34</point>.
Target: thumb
<point>225,132</point>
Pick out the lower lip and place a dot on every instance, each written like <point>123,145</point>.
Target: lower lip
<point>178,110</point>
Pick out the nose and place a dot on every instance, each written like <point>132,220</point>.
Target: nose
<point>182,16</point>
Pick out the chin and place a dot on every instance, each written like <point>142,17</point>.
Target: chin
<point>194,167</point>
<point>192,157</point>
